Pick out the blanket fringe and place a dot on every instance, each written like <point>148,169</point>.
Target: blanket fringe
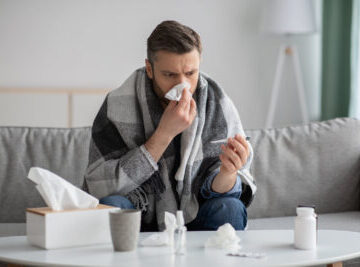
<point>154,185</point>
<point>139,199</point>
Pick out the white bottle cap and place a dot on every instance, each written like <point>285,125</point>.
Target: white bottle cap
<point>180,218</point>
<point>305,211</point>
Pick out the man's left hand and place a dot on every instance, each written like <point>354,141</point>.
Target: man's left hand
<point>235,154</point>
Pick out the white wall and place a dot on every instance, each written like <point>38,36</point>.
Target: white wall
<point>97,44</point>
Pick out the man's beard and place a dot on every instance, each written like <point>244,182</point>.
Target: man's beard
<point>164,101</point>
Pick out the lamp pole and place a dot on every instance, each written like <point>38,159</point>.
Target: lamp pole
<point>292,52</point>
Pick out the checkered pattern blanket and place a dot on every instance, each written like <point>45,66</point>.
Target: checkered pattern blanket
<point>120,164</point>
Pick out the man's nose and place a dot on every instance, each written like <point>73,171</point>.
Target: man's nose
<point>181,79</point>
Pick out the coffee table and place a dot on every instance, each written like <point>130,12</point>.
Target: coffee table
<point>333,247</point>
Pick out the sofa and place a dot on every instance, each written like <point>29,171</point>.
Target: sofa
<point>314,164</point>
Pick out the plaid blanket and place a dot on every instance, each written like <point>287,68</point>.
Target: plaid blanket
<point>120,164</point>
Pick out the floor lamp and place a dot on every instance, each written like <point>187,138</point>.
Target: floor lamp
<point>287,17</point>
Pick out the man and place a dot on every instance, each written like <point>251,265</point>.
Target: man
<point>157,155</point>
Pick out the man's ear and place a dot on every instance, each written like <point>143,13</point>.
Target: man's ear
<point>149,69</point>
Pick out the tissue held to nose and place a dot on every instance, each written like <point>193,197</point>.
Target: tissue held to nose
<point>58,193</point>
<point>176,91</point>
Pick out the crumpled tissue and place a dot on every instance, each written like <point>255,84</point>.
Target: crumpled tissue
<point>225,237</point>
<point>58,193</point>
<point>165,238</point>
<point>176,91</point>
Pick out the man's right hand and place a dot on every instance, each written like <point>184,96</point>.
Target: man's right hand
<point>177,116</point>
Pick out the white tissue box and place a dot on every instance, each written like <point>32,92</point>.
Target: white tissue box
<point>68,228</point>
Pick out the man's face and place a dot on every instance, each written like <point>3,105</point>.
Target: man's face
<point>170,69</point>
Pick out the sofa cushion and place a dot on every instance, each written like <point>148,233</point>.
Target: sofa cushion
<point>344,221</point>
<point>330,150</point>
<point>314,164</point>
<point>12,229</point>
<point>60,150</point>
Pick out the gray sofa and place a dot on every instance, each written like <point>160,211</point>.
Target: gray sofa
<point>316,164</point>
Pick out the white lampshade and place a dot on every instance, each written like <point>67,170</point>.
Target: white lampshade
<point>288,17</point>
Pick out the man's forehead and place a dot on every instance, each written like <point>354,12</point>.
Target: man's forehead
<point>186,69</point>
<point>172,62</point>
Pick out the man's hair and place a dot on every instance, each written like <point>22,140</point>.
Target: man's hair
<point>172,36</point>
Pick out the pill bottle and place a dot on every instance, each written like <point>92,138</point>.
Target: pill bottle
<point>305,232</point>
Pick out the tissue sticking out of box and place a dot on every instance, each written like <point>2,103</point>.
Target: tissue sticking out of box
<point>58,193</point>
<point>176,91</point>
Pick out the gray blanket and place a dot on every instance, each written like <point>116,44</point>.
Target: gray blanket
<point>120,164</point>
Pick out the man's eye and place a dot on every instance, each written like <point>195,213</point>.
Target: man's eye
<point>169,74</point>
<point>189,73</point>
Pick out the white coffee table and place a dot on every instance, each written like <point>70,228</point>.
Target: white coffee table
<point>333,247</point>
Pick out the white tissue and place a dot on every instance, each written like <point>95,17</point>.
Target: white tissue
<point>176,91</point>
<point>58,193</point>
<point>170,224</point>
<point>158,239</point>
<point>225,237</point>
<point>165,238</point>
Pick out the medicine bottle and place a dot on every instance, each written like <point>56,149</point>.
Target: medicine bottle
<point>305,233</point>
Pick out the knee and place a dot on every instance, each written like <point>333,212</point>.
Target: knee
<point>228,210</point>
<point>117,201</point>
<point>234,212</point>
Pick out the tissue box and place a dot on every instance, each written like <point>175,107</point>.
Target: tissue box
<point>68,228</point>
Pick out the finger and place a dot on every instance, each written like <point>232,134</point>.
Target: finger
<point>193,107</point>
<point>172,104</point>
<point>227,163</point>
<point>239,148</point>
<point>233,156</point>
<point>184,100</point>
<point>243,141</point>
<point>241,152</point>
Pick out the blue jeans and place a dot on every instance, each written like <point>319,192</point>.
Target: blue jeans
<point>117,201</point>
<point>217,211</point>
<point>213,213</point>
